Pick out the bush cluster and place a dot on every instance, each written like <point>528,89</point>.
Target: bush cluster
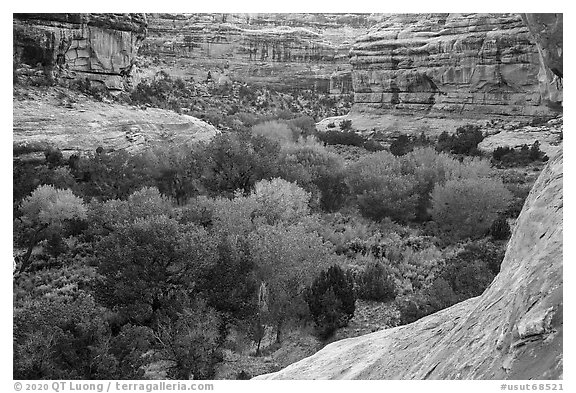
<point>464,275</point>
<point>377,283</point>
<point>467,208</point>
<point>348,138</point>
<point>404,144</point>
<point>426,184</point>
<point>465,141</point>
<point>507,157</point>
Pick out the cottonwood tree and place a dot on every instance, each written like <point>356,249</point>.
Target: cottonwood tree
<point>468,207</point>
<point>46,211</point>
<point>383,188</point>
<point>287,259</point>
<point>317,170</point>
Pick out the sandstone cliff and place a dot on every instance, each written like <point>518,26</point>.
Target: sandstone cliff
<point>97,47</point>
<point>547,30</point>
<point>280,50</point>
<point>513,330</point>
<point>444,69</point>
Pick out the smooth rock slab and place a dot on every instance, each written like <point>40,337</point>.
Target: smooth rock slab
<point>89,124</point>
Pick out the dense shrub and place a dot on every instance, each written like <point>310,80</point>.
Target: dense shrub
<point>349,138</point>
<point>413,262</point>
<point>437,296</point>
<point>274,130</point>
<point>190,341</point>
<point>318,171</point>
<point>509,157</point>
<point>280,201</point>
<point>464,141</point>
<point>406,143</point>
<point>488,252</point>
<point>236,162</point>
<point>501,151</point>
<point>56,338</point>
<point>382,189</point>
<point>231,283</point>
<point>346,125</point>
<point>331,300</point>
<point>519,193</point>
<point>500,229</point>
<point>471,270</point>
<point>467,207</point>
<point>304,126</point>
<point>44,214</point>
<point>465,274</point>
<point>112,175</point>
<point>377,283</point>
<point>163,92</point>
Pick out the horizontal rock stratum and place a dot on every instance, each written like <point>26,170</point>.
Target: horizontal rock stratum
<point>514,330</point>
<point>286,51</point>
<point>455,65</point>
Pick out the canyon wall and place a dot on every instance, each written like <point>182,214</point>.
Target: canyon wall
<point>547,31</point>
<point>285,51</point>
<point>98,47</point>
<point>454,66</point>
<point>514,330</point>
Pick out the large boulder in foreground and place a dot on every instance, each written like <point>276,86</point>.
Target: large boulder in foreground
<point>514,330</point>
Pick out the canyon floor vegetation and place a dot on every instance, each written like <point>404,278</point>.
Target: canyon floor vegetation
<point>238,256</point>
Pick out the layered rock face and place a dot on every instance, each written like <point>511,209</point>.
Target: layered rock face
<point>547,31</point>
<point>471,66</point>
<point>281,50</point>
<point>514,330</point>
<point>97,47</point>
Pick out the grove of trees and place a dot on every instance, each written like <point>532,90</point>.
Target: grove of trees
<point>126,263</point>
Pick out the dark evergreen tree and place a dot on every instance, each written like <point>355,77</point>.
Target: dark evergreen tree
<point>331,300</point>
<point>376,283</point>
